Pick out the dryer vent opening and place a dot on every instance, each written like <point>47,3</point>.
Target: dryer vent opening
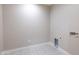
<point>56,42</point>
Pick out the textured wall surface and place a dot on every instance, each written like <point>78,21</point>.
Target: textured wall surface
<point>25,25</point>
<point>1,29</point>
<point>65,19</point>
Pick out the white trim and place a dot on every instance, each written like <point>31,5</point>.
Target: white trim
<point>60,49</point>
<point>9,51</point>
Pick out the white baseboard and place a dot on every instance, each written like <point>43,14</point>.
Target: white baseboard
<point>9,51</point>
<point>60,49</point>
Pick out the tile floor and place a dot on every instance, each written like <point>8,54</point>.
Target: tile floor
<point>43,49</point>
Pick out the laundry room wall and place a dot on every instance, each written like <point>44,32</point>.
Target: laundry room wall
<point>64,20</point>
<point>1,29</point>
<point>25,25</point>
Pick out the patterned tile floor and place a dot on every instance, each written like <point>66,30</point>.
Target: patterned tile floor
<point>43,49</point>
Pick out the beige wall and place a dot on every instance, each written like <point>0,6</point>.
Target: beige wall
<point>1,29</point>
<point>65,19</point>
<point>25,25</point>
